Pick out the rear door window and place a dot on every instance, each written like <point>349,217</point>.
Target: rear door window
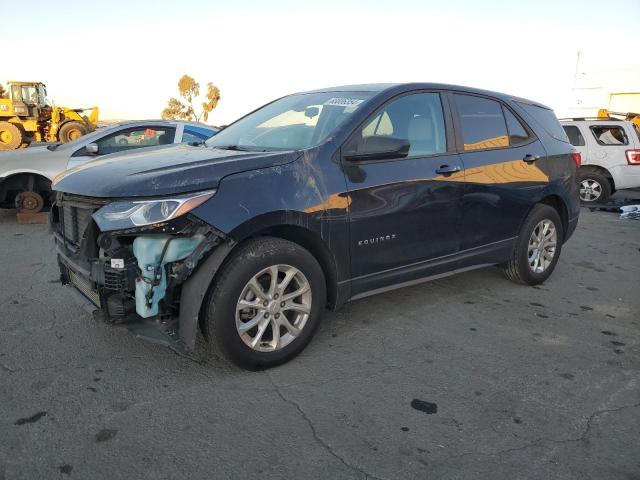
<point>517,133</point>
<point>483,124</point>
<point>609,135</point>
<point>575,135</point>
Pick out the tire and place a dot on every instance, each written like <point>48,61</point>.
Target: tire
<point>594,186</point>
<point>518,269</point>
<point>223,318</point>
<point>71,130</point>
<point>11,136</point>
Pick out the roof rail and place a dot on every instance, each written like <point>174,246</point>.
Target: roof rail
<point>594,118</point>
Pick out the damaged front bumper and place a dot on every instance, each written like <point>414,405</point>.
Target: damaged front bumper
<point>151,279</point>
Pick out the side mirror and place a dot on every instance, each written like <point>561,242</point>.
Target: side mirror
<point>378,148</point>
<point>91,148</point>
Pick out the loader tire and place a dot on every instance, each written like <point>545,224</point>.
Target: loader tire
<point>11,136</point>
<point>71,130</point>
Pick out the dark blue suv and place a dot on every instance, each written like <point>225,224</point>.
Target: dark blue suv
<point>313,200</point>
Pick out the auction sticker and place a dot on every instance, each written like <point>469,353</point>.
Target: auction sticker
<point>344,102</point>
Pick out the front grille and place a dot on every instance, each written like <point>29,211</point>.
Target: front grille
<point>75,221</point>
<point>85,287</point>
<point>75,216</point>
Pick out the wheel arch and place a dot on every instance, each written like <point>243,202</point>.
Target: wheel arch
<point>559,205</point>
<point>21,181</point>
<point>313,243</point>
<point>601,170</point>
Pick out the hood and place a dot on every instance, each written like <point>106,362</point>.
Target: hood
<point>165,170</point>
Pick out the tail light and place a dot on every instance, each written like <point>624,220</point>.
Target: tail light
<point>633,157</point>
<point>578,159</point>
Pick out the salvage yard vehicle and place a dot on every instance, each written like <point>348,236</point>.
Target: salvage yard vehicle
<point>610,151</point>
<point>26,175</point>
<point>311,201</point>
<point>27,116</point>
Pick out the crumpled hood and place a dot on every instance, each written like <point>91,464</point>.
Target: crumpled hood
<point>164,170</point>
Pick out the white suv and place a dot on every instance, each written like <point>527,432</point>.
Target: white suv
<point>610,151</point>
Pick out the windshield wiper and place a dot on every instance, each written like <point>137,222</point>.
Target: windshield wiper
<point>232,147</point>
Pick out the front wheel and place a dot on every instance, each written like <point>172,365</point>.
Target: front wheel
<point>11,136</point>
<point>265,303</point>
<point>537,248</point>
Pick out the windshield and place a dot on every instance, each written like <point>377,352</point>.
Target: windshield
<point>295,122</point>
<point>44,102</point>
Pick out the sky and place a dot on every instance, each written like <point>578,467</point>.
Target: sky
<point>127,56</point>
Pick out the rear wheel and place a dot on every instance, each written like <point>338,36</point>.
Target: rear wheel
<point>537,247</point>
<point>71,131</point>
<point>594,186</point>
<point>11,136</point>
<point>265,303</point>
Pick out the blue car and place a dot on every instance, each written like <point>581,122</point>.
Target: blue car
<point>311,201</point>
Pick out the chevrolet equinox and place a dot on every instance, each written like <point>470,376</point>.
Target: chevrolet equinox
<point>311,201</point>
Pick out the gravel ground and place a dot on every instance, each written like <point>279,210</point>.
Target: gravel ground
<point>468,377</point>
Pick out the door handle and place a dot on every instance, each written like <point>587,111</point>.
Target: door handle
<point>528,158</point>
<point>448,170</point>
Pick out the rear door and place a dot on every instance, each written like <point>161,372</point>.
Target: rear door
<point>500,154</point>
<point>404,212</point>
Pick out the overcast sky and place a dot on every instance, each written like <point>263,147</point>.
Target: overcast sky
<point>126,56</point>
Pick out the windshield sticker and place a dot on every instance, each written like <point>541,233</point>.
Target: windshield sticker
<point>344,102</point>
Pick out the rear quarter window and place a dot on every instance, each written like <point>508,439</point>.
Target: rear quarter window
<point>547,120</point>
<point>574,134</point>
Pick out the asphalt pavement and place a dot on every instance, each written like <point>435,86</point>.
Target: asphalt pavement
<point>467,377</point>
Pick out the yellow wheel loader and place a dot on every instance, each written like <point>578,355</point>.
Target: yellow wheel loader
<point>26,116</point>
<point>629,116</point>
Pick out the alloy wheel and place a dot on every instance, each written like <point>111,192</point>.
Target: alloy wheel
<point>542,246</point>
<point>273,308</point>
<point>590,190</point>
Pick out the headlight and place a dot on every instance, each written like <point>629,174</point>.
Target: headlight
<point>123,214</point>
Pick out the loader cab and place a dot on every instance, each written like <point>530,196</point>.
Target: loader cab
<point>29,98</point>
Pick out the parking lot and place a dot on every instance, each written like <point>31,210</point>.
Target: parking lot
<point>469,376</point>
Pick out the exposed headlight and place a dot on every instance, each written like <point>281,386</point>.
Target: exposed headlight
<point>123,214</point>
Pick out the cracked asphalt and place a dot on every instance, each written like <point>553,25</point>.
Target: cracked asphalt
<point>468,377</point>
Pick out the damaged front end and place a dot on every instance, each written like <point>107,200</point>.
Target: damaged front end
<point>134,261</point>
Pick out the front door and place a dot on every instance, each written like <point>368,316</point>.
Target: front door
<point>125,140</point>
<point>404,212</point>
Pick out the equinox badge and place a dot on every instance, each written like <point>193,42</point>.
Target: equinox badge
<point>376,240</point>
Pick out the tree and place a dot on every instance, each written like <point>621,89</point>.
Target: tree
<point>3,92</point>
<point>183,108</point>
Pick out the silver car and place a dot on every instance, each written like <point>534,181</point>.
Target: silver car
<point>26,175</point>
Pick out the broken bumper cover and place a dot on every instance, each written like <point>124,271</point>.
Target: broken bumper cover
<point>110,279</point>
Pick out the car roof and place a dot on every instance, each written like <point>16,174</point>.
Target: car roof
<point>380,88</point>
